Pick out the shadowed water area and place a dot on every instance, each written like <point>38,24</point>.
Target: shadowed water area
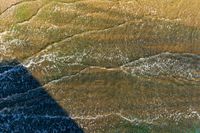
<point>25,106</point>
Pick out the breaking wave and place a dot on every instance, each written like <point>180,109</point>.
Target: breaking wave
<point>185,66</point>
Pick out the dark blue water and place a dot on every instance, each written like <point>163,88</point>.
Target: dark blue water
<point>25,106</point>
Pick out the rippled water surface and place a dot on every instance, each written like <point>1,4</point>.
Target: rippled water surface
<point>112,66</point>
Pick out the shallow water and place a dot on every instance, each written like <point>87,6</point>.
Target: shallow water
<point>99,66</point>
